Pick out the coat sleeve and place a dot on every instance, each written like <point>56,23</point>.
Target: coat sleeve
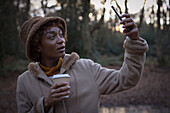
<point>24,103</point>
<point>111,81</point>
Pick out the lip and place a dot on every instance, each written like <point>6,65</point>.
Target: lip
<point>61,48</point>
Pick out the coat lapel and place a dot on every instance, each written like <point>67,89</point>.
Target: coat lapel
<point>36,70</point>
<point>38,73</point>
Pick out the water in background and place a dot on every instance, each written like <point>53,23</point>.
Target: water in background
<point>135,109</point>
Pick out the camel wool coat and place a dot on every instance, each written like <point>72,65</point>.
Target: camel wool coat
<point>88,81</point>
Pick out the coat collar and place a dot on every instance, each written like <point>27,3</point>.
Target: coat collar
<point>68,61</point>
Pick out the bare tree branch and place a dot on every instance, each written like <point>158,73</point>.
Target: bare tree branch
<point>118,7</point>
<point>142,15</point>
<point>126,8</point>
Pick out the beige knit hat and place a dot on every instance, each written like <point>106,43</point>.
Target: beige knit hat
<point>31,26</point>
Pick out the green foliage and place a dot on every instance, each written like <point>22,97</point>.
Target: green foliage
<point>151,34</point>
<point>147,32</point>
<point>110,60</point>
<point>151,61</point>
<point>109,42</point>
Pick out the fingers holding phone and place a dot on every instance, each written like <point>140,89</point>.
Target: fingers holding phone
<point>131,29</point>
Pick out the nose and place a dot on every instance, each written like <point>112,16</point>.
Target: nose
<point>60,40</point>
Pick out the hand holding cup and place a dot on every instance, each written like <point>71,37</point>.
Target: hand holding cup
<point>59,91</point>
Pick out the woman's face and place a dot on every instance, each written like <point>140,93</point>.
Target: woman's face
<point>52,44</point>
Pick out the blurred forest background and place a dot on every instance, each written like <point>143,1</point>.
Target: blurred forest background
<point>93,32</point>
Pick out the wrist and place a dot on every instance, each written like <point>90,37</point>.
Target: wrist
<point>46,104</point>
<point>134,38</point>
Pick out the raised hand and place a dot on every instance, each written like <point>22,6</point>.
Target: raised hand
<point>129,23</point>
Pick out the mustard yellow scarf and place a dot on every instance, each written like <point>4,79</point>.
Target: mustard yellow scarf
<point>54,70</point>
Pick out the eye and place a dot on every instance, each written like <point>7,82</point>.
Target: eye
<point>52,37</point>
<point>61,34</point>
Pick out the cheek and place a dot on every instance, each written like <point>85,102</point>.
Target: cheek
<point>50,47</point>
<point>47,47</point>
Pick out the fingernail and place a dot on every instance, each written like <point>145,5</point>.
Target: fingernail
<point>68,86</point>
<point>123,26</point>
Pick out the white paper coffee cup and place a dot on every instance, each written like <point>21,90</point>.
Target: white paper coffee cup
<point>60,78</point>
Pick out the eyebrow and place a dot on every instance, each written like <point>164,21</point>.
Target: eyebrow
<point>49,32</point>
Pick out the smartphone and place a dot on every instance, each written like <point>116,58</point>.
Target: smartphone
<point>118,14</point>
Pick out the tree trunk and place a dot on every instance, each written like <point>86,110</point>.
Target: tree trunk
<point>141,18</point>
<point>164,19</point>
<point>87,40</point>
<point>142,15</point>
<point>22,14</point>
<point>44,5</point>
<point>98,25</point>
<point>9,32</point>
<point>158,36</point>
<point>169,13</point>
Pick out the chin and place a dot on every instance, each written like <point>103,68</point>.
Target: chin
<point>62,55</point>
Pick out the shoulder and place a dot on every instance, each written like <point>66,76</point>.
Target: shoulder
<point>84,63</point>
<point>73,60</point>
<point>25,76</point>
<point>22,79</point>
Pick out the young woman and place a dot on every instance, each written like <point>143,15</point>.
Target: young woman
<point>45,39</point>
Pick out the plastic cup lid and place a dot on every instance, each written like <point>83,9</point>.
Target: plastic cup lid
<point>61,76</point>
